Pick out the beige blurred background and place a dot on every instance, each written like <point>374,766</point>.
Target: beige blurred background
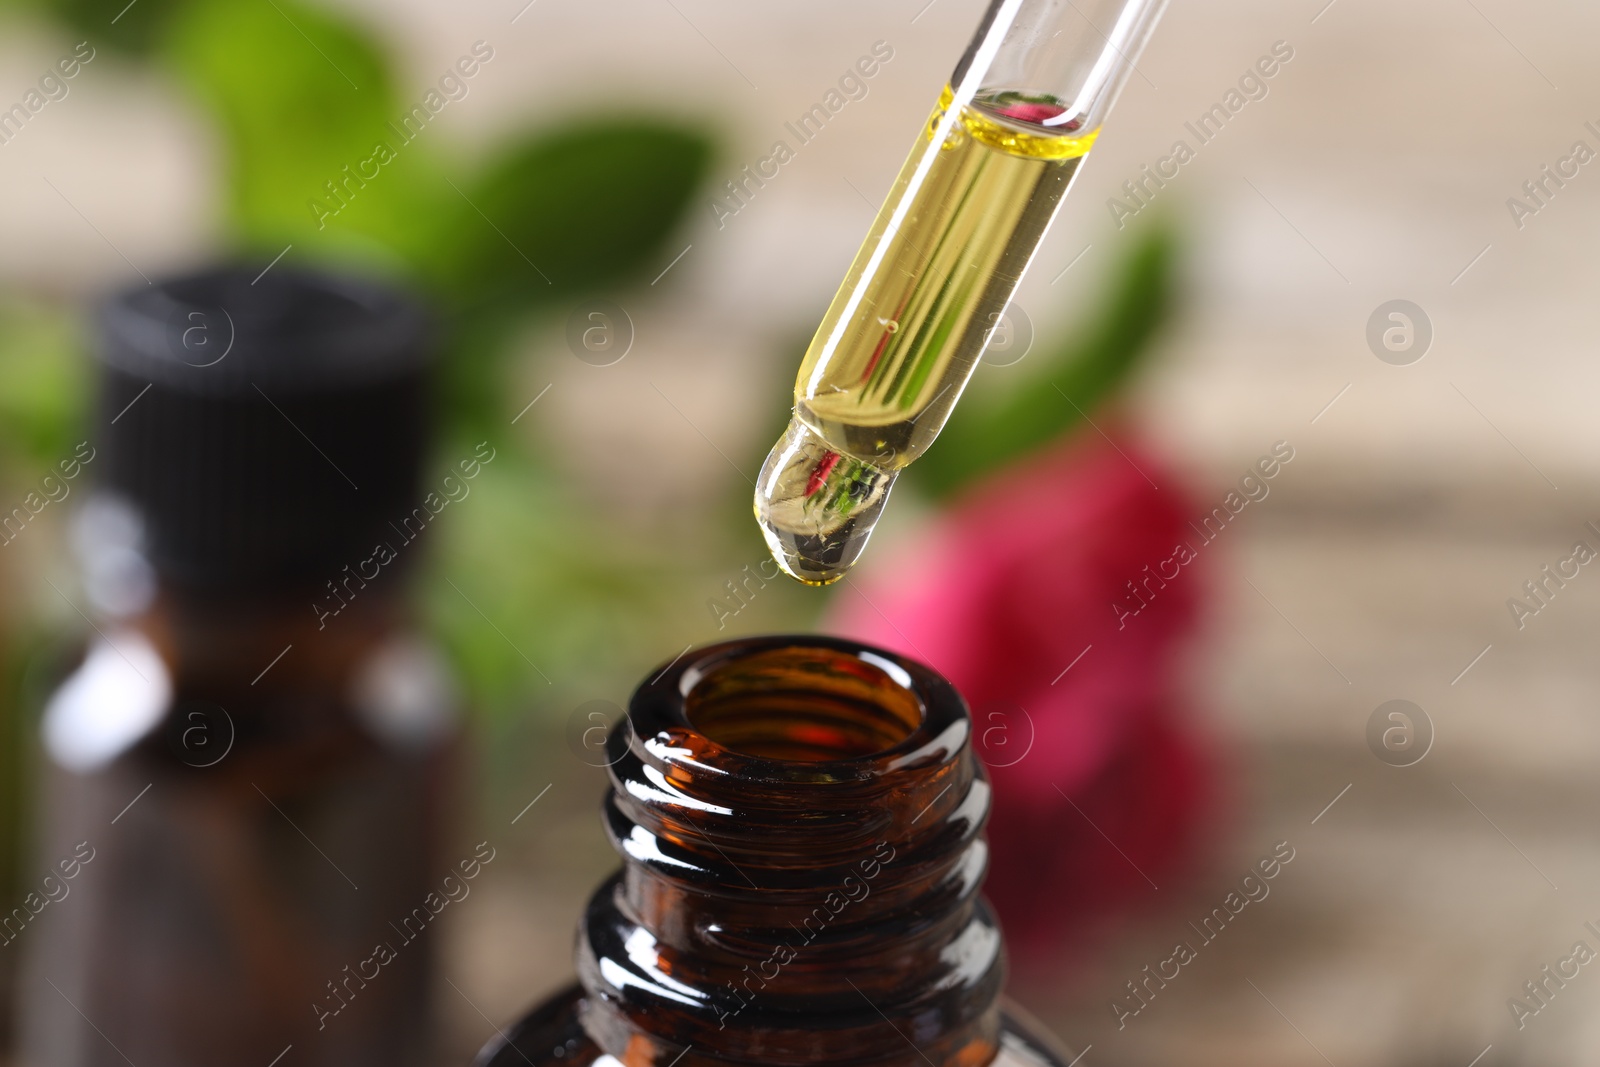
<point>1420,499</point>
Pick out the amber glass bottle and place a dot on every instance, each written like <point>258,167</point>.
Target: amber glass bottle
<point>800,821</point>
<point>244,776</point>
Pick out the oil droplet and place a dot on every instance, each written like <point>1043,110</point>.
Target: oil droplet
<point>817,506</point>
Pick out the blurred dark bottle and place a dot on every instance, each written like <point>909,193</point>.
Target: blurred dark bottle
<point>247,772</point>
<point>800,821</point>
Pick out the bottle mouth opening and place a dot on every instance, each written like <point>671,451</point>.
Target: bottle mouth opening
<point>791,711</point>
<point>802,703</point>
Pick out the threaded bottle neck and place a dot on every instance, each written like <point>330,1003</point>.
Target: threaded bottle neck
<point>800,820</point>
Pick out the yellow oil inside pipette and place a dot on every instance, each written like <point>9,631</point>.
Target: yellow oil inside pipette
<point>907,327</point>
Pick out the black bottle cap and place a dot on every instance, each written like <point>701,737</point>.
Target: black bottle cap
<point>267,427</point>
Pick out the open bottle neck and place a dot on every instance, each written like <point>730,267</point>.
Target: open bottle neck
<point>800,820</point>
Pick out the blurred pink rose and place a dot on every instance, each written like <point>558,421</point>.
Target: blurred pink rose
<point>1013,585</point>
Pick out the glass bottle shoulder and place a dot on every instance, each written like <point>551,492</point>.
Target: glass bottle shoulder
<point>126,693</point>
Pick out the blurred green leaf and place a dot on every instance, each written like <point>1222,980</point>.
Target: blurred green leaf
<point>134,28</point>
<point>303,98</point>
<point>568,211</point>
<point>1067,381</point>
<point>42,404</point>
<point>584,207</point>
